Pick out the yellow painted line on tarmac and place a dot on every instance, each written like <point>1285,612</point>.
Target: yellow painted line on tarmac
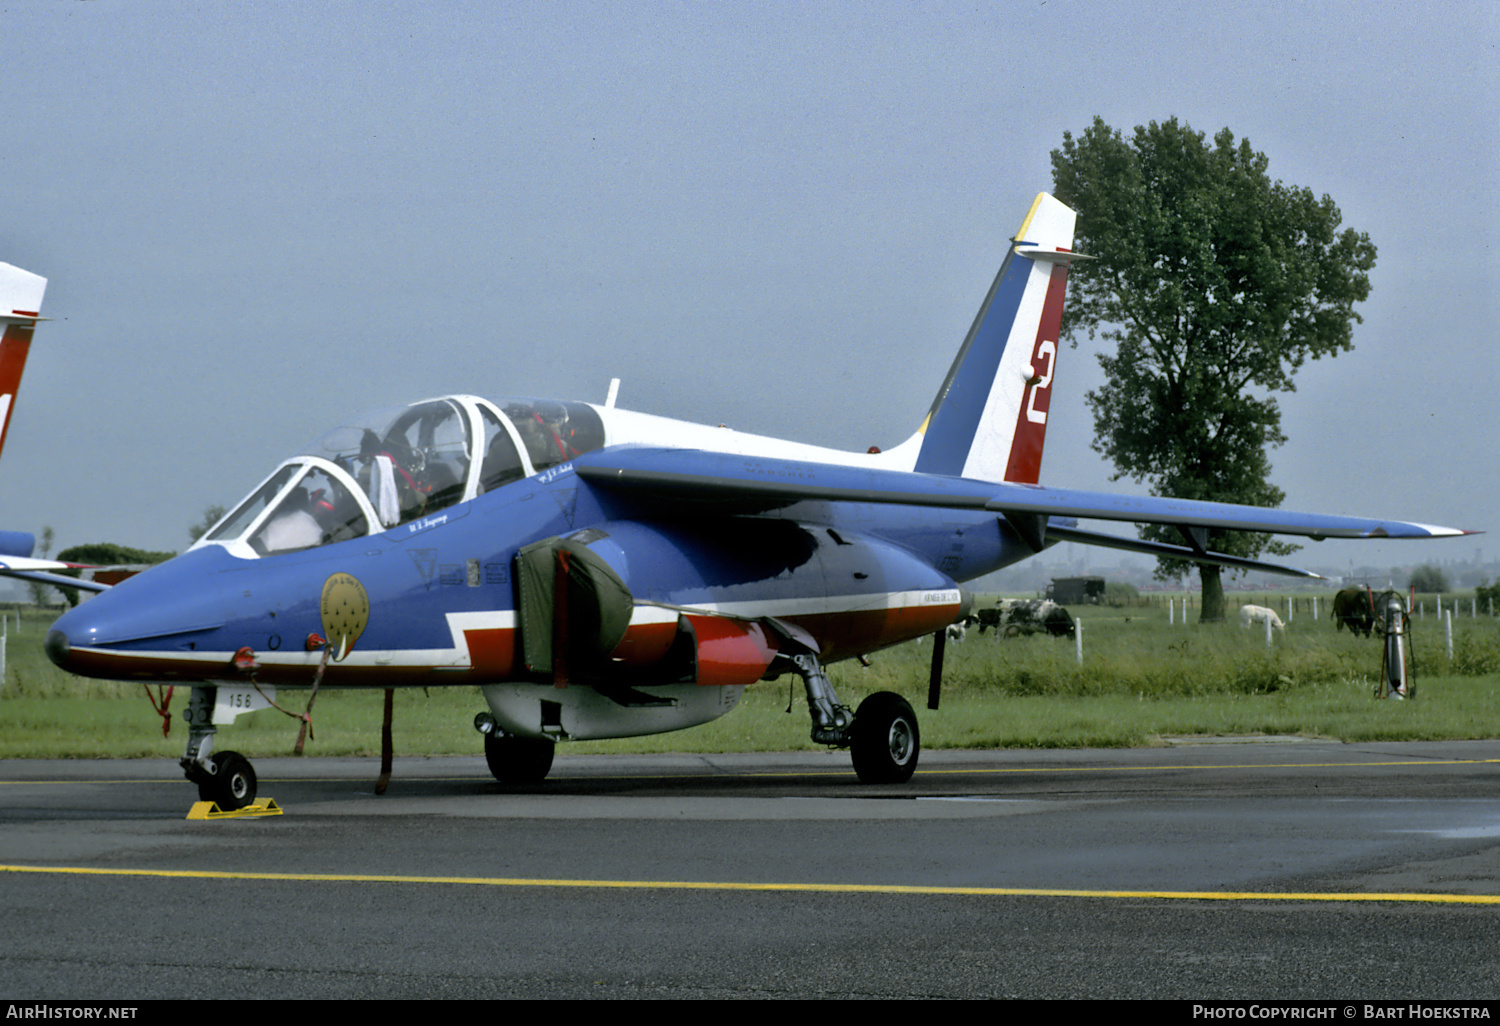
<point>88,780</point>
<point>1217,766</point>
<point>940,771</point>
<point>697,885</point>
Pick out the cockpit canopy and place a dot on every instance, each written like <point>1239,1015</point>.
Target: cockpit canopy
<point>401,464</point>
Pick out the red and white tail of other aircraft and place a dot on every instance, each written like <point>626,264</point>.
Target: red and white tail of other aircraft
<point>20,309</point>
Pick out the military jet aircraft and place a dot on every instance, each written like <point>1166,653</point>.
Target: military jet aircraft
<point>602,573</point>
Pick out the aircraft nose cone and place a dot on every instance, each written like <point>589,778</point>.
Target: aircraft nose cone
<point>58,647</point>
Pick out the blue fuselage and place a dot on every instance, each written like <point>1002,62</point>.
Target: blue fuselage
<point>442,595</point>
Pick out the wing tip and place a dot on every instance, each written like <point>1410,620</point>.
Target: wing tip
<point>1438,531</point>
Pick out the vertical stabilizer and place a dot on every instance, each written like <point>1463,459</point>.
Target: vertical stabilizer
<point>989,419</point>
<point>20,308</point>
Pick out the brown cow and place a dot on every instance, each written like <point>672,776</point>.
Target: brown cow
<point>1353,608</point>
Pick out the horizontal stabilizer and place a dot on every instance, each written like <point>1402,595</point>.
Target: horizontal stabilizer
<point>1055,255</point>
<point>20,295</point>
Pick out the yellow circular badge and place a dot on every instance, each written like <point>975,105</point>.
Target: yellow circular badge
<point>346,612</point>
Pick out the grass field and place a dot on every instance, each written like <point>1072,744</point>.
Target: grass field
<point>1140,679</point>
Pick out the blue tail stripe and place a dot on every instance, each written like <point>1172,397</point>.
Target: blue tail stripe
<point>955,416</point>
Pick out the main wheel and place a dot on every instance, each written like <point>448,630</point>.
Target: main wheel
<point>231,785</point>
<point>885,741</point>
<point>517,760</point>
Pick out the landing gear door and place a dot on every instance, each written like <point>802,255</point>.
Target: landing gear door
<point>573,608</point>
<point>234,700</point>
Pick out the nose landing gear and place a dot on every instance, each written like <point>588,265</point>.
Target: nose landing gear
<point>226,778</point>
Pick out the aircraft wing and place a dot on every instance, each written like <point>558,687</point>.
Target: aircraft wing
<point>664,480</point>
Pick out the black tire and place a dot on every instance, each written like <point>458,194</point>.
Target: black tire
<point>231,785</point>
<point>518,760</point>
<point>885,742</point>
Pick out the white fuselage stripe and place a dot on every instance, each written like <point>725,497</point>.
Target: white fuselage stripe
<point>459,624</point>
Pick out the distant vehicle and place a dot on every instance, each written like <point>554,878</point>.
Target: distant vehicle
<point>1075,591</point>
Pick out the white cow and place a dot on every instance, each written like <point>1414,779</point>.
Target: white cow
<point>1014,617</point>
<point>1259,614</point>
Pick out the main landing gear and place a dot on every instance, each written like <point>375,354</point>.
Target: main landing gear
<point>514,759</point>
<point>884,741</point>
<point>881,735</point>
<point>226,778</point>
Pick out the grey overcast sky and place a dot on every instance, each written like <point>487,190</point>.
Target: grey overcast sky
<point>259,219</point>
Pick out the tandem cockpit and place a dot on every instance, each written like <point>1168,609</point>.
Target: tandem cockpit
<point>402,464</point>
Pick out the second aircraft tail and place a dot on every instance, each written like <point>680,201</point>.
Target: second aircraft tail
<point>20,307</point>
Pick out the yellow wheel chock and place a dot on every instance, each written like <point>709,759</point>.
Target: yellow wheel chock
<point>211,810</point>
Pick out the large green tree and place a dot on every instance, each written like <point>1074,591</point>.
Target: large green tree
<point>1216,284</point>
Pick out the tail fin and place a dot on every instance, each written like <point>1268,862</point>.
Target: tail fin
<point>20,309</point>
<point>989,419</point>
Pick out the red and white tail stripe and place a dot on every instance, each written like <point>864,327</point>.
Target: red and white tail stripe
<point>20,308</point>
<point>989,419</point>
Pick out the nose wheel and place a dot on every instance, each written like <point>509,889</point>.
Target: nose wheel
<point>231,784</point>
